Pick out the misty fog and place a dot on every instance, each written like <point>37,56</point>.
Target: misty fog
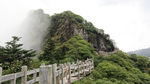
<point>33,29</point>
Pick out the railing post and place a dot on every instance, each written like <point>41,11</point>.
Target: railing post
<point>43,75</point>
<point>14,80</point>
<point>50,75</point>
<point>84,69</point>
<point>24,78</point>
<point>92,63</point>
<point>69,71</point>
<point>0,75</point>
<point>54,69</point>
<point>65,70</point>
<point>34,76</point>
<point>89,67</point>
<point>58,78</point>
<point>73,68</point>
<point>78,69</point>
<point>62,76</point>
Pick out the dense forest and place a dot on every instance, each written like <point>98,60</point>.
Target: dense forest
<point>70,37</point>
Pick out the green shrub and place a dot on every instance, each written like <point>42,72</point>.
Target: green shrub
<point>119,68</point>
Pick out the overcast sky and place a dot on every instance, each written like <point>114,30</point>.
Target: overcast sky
<point>127,21</point>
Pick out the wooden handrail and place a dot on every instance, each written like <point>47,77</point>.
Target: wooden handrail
<point>51,74</point>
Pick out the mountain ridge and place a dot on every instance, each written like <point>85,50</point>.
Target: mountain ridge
<point>70,24</point>
<point>71,37</point>
<point>143,52</point>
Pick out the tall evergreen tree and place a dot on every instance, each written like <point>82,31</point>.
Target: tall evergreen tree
<point>13,55</point>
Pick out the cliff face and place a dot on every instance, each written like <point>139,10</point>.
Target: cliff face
<point>67,24</point>
<point>70,37</point>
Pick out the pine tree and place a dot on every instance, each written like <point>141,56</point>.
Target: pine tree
<point>13,54</point>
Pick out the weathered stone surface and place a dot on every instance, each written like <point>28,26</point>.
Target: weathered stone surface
<point>65,25</point>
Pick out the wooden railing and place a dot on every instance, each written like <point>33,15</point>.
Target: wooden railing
<point>51,74</point>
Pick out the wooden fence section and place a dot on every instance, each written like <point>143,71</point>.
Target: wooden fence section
<point>51,74</point>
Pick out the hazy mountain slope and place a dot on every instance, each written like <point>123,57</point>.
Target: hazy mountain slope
<point>143,52</point>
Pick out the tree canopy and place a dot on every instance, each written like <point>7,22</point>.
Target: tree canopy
<point>120,68</point>
<point>13,56</point>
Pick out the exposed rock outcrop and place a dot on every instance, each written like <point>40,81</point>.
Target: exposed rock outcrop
<point>67,24</point>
